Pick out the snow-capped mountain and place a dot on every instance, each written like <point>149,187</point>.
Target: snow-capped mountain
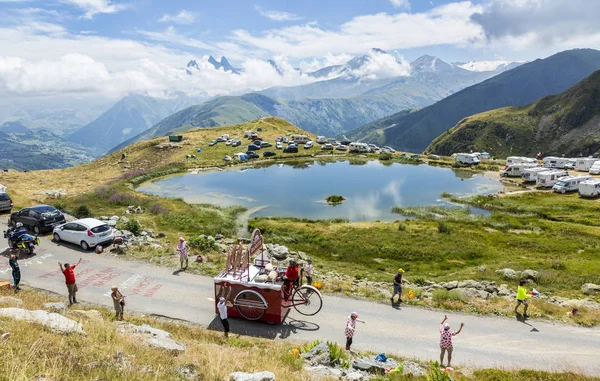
<point>481,66</point>
<point>430,64</point>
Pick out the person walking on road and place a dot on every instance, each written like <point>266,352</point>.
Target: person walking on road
<point>118,302</point>
<point>308,271</point>
<point>522,297</point>
<point>351,328</point>
<point>16,272</point>
<point>70,280</point>
<point>183,250</point>
<point>222,307</point>
<point>398,286</point>
<point>446,340</point>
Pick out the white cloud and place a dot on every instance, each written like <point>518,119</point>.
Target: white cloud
<point>93,7</point>
<point>401,4</point>
<point>183,18</point>
<point>381,65</point>
<point>276,15</point>
<point>171,36</point>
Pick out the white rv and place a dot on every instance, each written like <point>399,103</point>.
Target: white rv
<point>589,188</point>
<point>516,170</point>
<point>300,139</point>
<point>548,178</point>
<point>585,163</point>
<point>530,174</point>
<point>519,159</point>
<point>467,158</point>
<point>248,134</point>
<point>595,169</point>
<point>555,162</point>
<point>485,156</point>
<point>359,147</point>
<point>321,139</point>
<point>569,183</point>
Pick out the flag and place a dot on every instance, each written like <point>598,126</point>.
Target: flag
<point>535,292</point>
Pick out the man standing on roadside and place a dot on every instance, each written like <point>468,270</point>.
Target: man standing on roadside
<point>16,272</point>
<point>398,286</point>
<point>70,280</point>
<point>222,307</point>
<point>308,271</point>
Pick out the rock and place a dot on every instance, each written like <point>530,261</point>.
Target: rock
<point>188,371</point>
<point>354,376</point>
<point>482,269</point>
<point>411,367</point>
<point>504,291</point>
<point>469,284</point>
<point>474,293</point>
<point>59,307</point>
<point>54,321</point>
<point>161,235</point>
<point>320,354</point>
<point>218,237</point>
<point>530,274</point>
<point>278,252</point>
<point>91,315</point>
<point>229,241</point>
<point>322,371</point>
<point>111,223</point>
<point>450,285</point>
<point>508,273</point>
<point>150,336</point>
<point>302,255</point>
<point>260,376</point>
<point>10,301</point>
<point>590,289</point>
<point>124,219</point>
<point>114,218</point>
<point>490,287</point>
<point>368,365</point>
<point>54,193</point>
<point>104,218</point>
<point>4,337</point>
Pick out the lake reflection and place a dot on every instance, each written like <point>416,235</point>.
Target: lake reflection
<point>299,189</point>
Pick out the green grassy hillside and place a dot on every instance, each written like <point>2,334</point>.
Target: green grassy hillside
<point>564,124</point>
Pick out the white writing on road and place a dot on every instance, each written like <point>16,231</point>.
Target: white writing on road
<point>127,283</point>
<point>29,262</point>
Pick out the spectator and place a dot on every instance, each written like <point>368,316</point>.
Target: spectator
<point>446,340</point>
<point>308,271</point>
<point>522,297</point>
<point>183,250</point>
<point>16,271</point>
<point>222,307</point>
<point>398,286</point>
<point>70,280</point>
<point>351,328</point>
<point>118,302</point>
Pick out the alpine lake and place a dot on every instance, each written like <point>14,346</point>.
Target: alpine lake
<point>371,188</point>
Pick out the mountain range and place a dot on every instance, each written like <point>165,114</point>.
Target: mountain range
<point>517,87</point>
<point>564,124</point>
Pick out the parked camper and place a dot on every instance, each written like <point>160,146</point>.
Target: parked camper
<point>595,169</point>
<point>530,174</point>
<point>569,183</point>
<point>225,137</point>
<point>248,134</point>
<point>516,170</point>
<point>550,177</point>
<point>300,139</point>
<point>359,147</point>
<point>585,163</point>
<point>519,159</point>
<point>589,188</point>
<point>321,139</point>
<point>555,162</point>
<point>485,156</point>
<point>466,158</point>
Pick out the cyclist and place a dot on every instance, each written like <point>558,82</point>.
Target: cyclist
<point>290,277</point>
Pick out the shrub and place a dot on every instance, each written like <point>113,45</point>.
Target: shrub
<point>104,192</point>
<point>337,353</point>
<point>203,244</point>
<point>60,206</point>
<point>418,292</point>
<point>419,281</point>
<point>401,227</point>
<point>455,295</point>
<point>157,208</point>
<point>385,156</point>
<point>133,226</point>
<point>440,295</point>
<point>435,374</point>
<point>123,199</point>
<point>335,199</point>
<point>556,265</point>
<point>444,228</point>
<point>82,211</point>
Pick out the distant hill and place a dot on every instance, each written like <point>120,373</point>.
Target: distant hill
<point>14,127</point>
<point>567,123</point>
<point>517,87</point>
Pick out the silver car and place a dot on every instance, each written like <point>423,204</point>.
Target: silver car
<point>5,202</point>
<point>87,233</point>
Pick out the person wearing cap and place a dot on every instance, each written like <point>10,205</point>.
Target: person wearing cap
<point>183,249</point>
<point>351,328</point>
<point>222,308</point>
<point>446,340</point>
<point>308,271</point>
<point>398,286</point>
<point>118,302</point>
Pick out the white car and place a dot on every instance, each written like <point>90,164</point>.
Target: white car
<point>278,145</point>
<point>390,149</point>
<point>327,147</point>
<point>87,233</point>
<point>308,144</point>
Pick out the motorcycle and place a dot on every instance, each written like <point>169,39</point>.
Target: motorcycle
<point>25,242</point>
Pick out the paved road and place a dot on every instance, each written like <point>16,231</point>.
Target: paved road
<point>409,332</point>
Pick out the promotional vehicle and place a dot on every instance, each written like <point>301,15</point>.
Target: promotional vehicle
<point>39,218</point>
<point>87,233</point>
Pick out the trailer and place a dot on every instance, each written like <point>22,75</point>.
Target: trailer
<point>548,178</point>
<point>589,188</point>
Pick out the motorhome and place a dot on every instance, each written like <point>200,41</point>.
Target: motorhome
<point>530,174</point>
<point>359,147</point>
<point>569,183</point>
<point>248,134</point>
<point>321,139</point>
<point>595,169</point>
<point>485,156</point>
<point>300,139</point>
<point>555,162</point>
<point>585,163</point>
<point>548,178</point>
<point>467,158</point>
<point>519,159</point>
<point>516,170</point>
<point>589,188</point>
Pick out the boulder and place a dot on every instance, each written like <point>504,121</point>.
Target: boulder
<point>10,301</point>
<point>260,376</point>
<point>111,223</point>
<point>590,289</point>
<point>482,269</point>
<point>319,354</point>
<point>508,273</point>
<point>150,336</point>
<point>490,287</point>
<point>411,367</point>
<point>322,371</point>
<point>161,235</point>
<point>368,365</point>
<point>474,293</point>
<point>450,285</point>
<point>354,376</point>
<point>278,252</point>
<point>91,315</point>
<point>54,321</point>
<point>504,291</point>
<point>530,274</point>
<point>59,307</point>
<point>469,284</point>
<point>114,218</point>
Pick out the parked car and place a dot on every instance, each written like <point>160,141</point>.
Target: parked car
<point>227,158</point>
<point>6,203</point>
<point>268,153</point>
<point>252,155</point>
<point>308,144</point>
<point>373,147</point>
<point>265,145</point>
<point>434,157</point>
<point>228,143</point>
<point>327,147</point>
<point>253,147</point>
<point>291,149</point>
<point>212,143</point>
<point>87,233</point>
<point>235,143</point>
<point>278,145</point>
<point>390,149</point>
<point>221,139</point>
<point>39,218</point>
<point>285,140</point>
<point>279,138</point>
<point>341,147</point>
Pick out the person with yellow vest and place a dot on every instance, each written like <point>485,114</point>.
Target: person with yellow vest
<point>522,297</point>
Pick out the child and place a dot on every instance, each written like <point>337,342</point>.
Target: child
<point>308,271</point>
<point>446,340</point>
<point>522,297</point>
<point>351,328</point>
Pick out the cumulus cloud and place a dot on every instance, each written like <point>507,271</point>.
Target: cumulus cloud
<point>379,65</point>
<point>171,36</point>
<point>401,4</point>
<point>183,18</point>
<point>94,7</point>
<point>276,15</point>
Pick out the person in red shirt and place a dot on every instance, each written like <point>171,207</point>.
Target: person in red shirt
<point>70,280</point>
<point>290,277</point>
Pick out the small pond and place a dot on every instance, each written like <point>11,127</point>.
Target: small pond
<point>371,188</point>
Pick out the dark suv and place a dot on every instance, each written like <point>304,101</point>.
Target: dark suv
<point>5,202</point>
<point>39,218</point>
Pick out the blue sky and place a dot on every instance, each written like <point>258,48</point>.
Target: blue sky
<point>111,47</point>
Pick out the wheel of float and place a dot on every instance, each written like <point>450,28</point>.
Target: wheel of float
<point>307,300</point>
<point>250,304</point>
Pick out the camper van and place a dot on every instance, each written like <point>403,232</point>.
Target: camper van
<point>485,156</point>
<point>359,147</point>
<point>595,168</point>
<point>548,178</point>
<point>321,139</point>
<point>569,183</point>
<point>466,158</point>
<point>248,134</point>
<point>555,162</point>
<point>516,170</point>
<point>519,159</point>
<point>530,174</point>
<point>300,139</point>
<point>589,188</point>
<point>585,163</point>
